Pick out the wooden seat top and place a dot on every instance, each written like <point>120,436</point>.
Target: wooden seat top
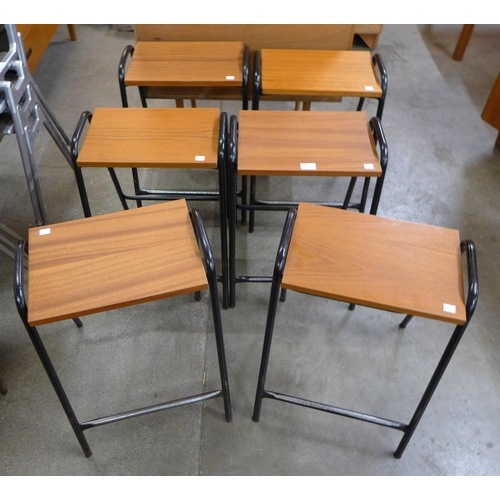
<point>186,63</point>
<point>111,261</point>
<point>388,264</point>
<point>315,143</point>
<point>333,73</point>
<point>152,137</point>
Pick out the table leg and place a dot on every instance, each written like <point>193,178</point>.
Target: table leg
<point>462,42</point>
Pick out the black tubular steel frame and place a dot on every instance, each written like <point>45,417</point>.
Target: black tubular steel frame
<point>379,138</point>
<point>164,195</point>
<point>233,206</point>
<point>407,429</point>
<point>377,61</point>
<point>79,427</point>
<point>128,52</point>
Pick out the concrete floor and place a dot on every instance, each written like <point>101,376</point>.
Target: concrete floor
<point>443,170</point>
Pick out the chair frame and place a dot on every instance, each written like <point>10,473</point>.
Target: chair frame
<point>80,427</point>
<point>467,246</point>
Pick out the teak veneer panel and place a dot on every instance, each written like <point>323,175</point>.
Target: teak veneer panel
<point>164,64</point>
<point>255,36</point>
<point>151,137</point>
<point>333,73</point>
<point>277,142</point>
<point>378,262</point>
<point>110,261</point>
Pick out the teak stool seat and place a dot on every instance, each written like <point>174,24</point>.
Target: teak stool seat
<point>318,75</point>
<point>313,144</point>
<point>109,262</point>
<point>185,70</point>
<point>403,267</point>
<point>165,138</point>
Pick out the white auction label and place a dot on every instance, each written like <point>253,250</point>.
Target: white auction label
<point>369,166</point>
<point>449,308</point>
<point>368,87</point>
<point>44,231</point>
<point>199,158</point>
<point>308,166</point>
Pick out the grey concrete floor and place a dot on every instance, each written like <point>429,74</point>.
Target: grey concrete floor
<point>443,170</point>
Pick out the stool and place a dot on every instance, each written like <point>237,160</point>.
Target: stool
<point>318,75</point>
<point>109,262</point>
<point>377,262</point>
<point>185,70</point>
<point>313,144</point>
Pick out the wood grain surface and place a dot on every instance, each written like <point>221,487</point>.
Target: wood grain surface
<point>340,143</point>
<point>111,261</point>
<point>334,73</point>
<point>186,63</point>
<point>151,137</point>
<point>374,261</point>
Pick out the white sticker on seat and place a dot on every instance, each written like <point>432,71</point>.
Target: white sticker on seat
<point>229,77</point>
<point>308,166</point>
<point>44,231</point>
<point>368,87</point>
<point>199,158</point>
<point>449,308</point>
<point>369,166</point>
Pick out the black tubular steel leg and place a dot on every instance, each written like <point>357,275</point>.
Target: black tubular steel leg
<point>118,188</point>
<point>405,322</point>
<point>257,83</point>
<point>142,95</point>
<point>221,166</point>
<point>380,140</point>
<point>244,191</point>
<point>78,322</point>
<point>472,296</point>
<point>364,194</point>
<point>3,387</point>
<point>231,175</point>
<point>127,52</point>
<point>137,186</point>
<point>245,75</point>
<point>209,263</point>
<point>379,63</point>
<point>360,104</point>
<point>40,349</point>
<point>251,217</point>
<point>85,117</point>
<point>279,267</point>
<point>348,195</point>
